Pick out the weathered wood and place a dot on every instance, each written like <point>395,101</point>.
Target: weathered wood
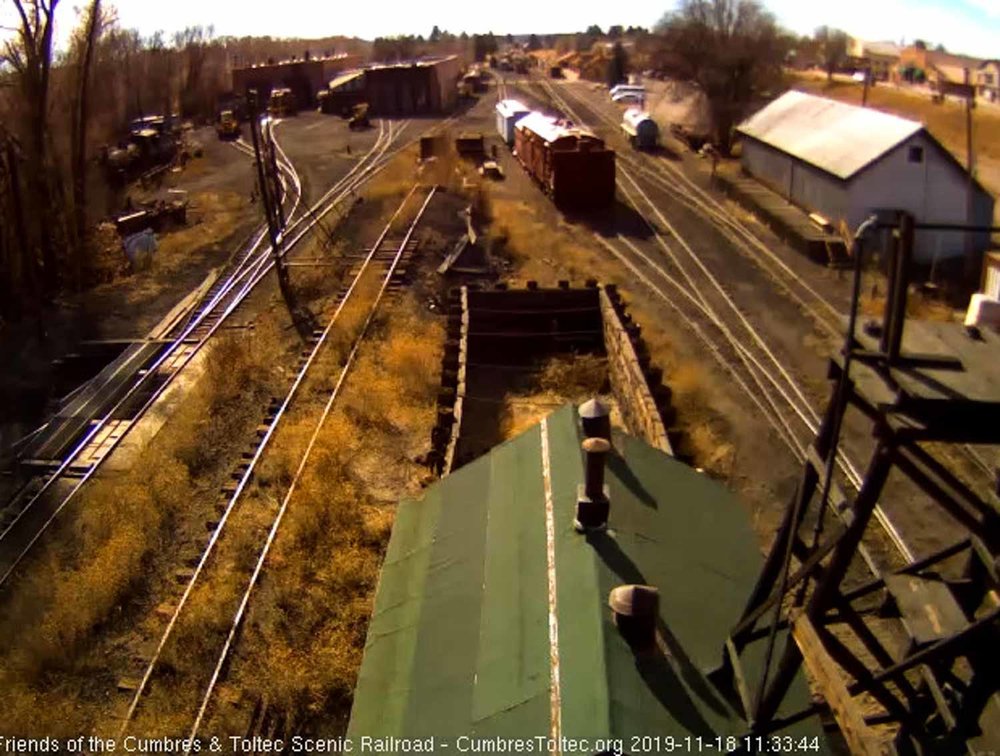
<point>928,608</point>
<point>826,675</point>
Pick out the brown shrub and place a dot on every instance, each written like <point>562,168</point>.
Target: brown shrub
<point>306,631</point>
<point>575,377</point>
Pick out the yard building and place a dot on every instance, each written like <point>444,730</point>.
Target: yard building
<point>420,87</point>
<point>881,58</point>
<point>988,81</point>
<point>344,92</point>
<point>846,162</point>
<point>305,76</point>
<point>918,64</point>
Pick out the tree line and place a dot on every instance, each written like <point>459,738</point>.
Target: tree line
<point>60,108</point>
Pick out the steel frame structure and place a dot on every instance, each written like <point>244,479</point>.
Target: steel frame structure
<point>937,688</point>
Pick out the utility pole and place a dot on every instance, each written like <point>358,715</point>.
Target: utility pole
<point>262,180</point>
<point>275,180</point>
<point>970,199</point>
<point>268,187</point>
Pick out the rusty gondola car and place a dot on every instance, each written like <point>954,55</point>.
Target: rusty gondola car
<point>571,164</point>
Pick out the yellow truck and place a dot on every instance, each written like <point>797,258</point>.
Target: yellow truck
<point>227,127</point>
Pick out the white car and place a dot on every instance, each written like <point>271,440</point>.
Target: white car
<point>629,98</point>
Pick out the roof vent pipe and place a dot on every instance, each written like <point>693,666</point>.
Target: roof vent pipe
<point>592,502</point>
<point>595,416</point>
<point>636,608</point>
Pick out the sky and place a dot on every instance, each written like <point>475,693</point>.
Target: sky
<point>969,26</point>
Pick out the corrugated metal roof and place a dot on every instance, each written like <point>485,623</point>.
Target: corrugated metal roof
<point>884,49</point>
<point>547,127</point>
<point>834,136</point>
<point>344,78</point>
<point>507,108</point>
<point>459,642</point>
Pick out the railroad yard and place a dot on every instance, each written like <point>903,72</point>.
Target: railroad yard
<point>198,527</point>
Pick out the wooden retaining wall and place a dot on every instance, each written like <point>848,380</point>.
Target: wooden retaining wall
<point>634,378</point>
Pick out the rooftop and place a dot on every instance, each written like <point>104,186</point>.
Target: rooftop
<point>507,108</point>
<point>344,78</point>
<point>424,62</point>
<point>838,138</point>
<point>551,128</point>
<point>487,588</point>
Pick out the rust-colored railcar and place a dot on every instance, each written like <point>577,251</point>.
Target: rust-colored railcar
<point>572,165</point>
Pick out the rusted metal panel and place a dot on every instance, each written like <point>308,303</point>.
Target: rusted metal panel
<point>574,167</point>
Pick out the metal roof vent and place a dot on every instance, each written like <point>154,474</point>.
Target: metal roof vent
<point>592,502</point>
<point>636,608</point>
<point>595,416</point>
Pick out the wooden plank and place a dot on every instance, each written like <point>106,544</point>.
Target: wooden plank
<point>826,674</point>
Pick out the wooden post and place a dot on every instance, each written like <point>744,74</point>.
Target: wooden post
<point>826,675</point>
<point>970,200</point>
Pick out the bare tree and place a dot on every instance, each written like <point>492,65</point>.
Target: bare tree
<point>78,135</point>
<point>832,45</point>
<point>29,55</point>
<point>731,49</point>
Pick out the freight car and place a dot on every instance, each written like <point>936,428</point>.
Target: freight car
<point>509,112</point>
<point>571,164</point>
<point>640,129</point>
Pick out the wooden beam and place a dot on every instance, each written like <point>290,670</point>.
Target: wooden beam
<point>826,674</point>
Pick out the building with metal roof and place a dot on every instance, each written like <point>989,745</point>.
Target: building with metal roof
<point>304,76</point>
<point>418,87</point>
<point>846,162</point>
<point>493,618</point>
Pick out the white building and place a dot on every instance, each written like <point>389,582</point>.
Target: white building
<point>846,162</point>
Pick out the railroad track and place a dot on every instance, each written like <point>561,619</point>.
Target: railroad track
<point>387,257</point>
<point>29,515</point>
<point>678,277</point>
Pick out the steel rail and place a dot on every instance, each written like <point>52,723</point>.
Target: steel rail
<point>248,472</point>
<point>238,274</point>
<point>256,272</point>
<point>800,406</point>
<point>272,534</point>
<point>702,203</point>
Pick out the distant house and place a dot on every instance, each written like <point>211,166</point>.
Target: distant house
<point>918,64</point>
<point>846,162</point>
<point>988,81</point>
<point>882,58</point>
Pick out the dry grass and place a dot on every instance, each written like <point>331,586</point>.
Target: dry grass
<point>211,215</point>
<point>539,249</point>
<point>101,561</point>
<point>918,305</point>
<point>306,630</point>
<point>945,121</point>
<point>576,377</point>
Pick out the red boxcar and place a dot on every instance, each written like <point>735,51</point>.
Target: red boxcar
<point>572,165</point>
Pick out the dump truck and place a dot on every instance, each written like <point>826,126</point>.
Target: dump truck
<point>227,126</point>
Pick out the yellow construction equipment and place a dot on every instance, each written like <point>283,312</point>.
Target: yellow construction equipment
<point>227,127</point>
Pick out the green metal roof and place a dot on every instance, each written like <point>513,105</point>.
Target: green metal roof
<point>461,641</point>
